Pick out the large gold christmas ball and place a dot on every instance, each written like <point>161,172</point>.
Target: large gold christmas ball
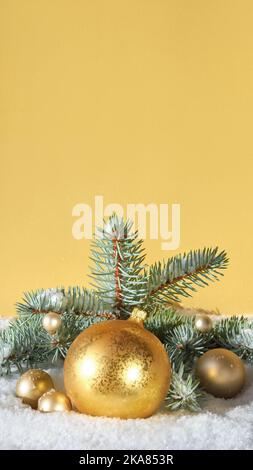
<point>32,384</point>
<point>117,369</point>
<point>221,372</point>
<point>203,323</point>
<point>54,401</point>
<point>51,322</point>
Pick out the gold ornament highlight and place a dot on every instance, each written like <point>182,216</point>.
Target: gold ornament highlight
<point>221,372</point>
<point>118,369</point>
<point>51,322</point>
<point>203,323</point>
<point>54,401</point>
<point>32,384</point>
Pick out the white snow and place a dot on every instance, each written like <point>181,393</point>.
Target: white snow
<point>223,424</point>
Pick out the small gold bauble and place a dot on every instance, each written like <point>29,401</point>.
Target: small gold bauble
<point>54,401</point>
<point>203,323</point>
<point>118,369</point>
<point>51,322</point>
<point>221,372</point>
<point>32,384</point>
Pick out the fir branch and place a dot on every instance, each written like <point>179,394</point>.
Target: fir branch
<point>25,343</point>
<point>184,343</point>
<point>117,255</point>
<point>184,392</point>
<point>236,334</point>
<point>179,275</point>
<point>162,320</point>
<point>75,300</point>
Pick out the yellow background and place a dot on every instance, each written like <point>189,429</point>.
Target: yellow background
<point>135,100</point>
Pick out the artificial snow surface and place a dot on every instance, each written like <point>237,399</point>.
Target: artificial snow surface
<point>223,424</point>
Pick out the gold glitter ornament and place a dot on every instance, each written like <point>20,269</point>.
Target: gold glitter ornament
<point>32,384</point>
<point>118,369</point>
<point>203,323</point>
<point>54,401</point>
<point>51,322</point>
<point>221,372</point>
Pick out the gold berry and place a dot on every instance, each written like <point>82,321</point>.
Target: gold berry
<point>221,372</point>
<point>54,401</point>
<point>32,384</point>
<point>51,322</point>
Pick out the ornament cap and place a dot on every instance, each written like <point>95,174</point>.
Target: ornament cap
<point>138,315</point>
